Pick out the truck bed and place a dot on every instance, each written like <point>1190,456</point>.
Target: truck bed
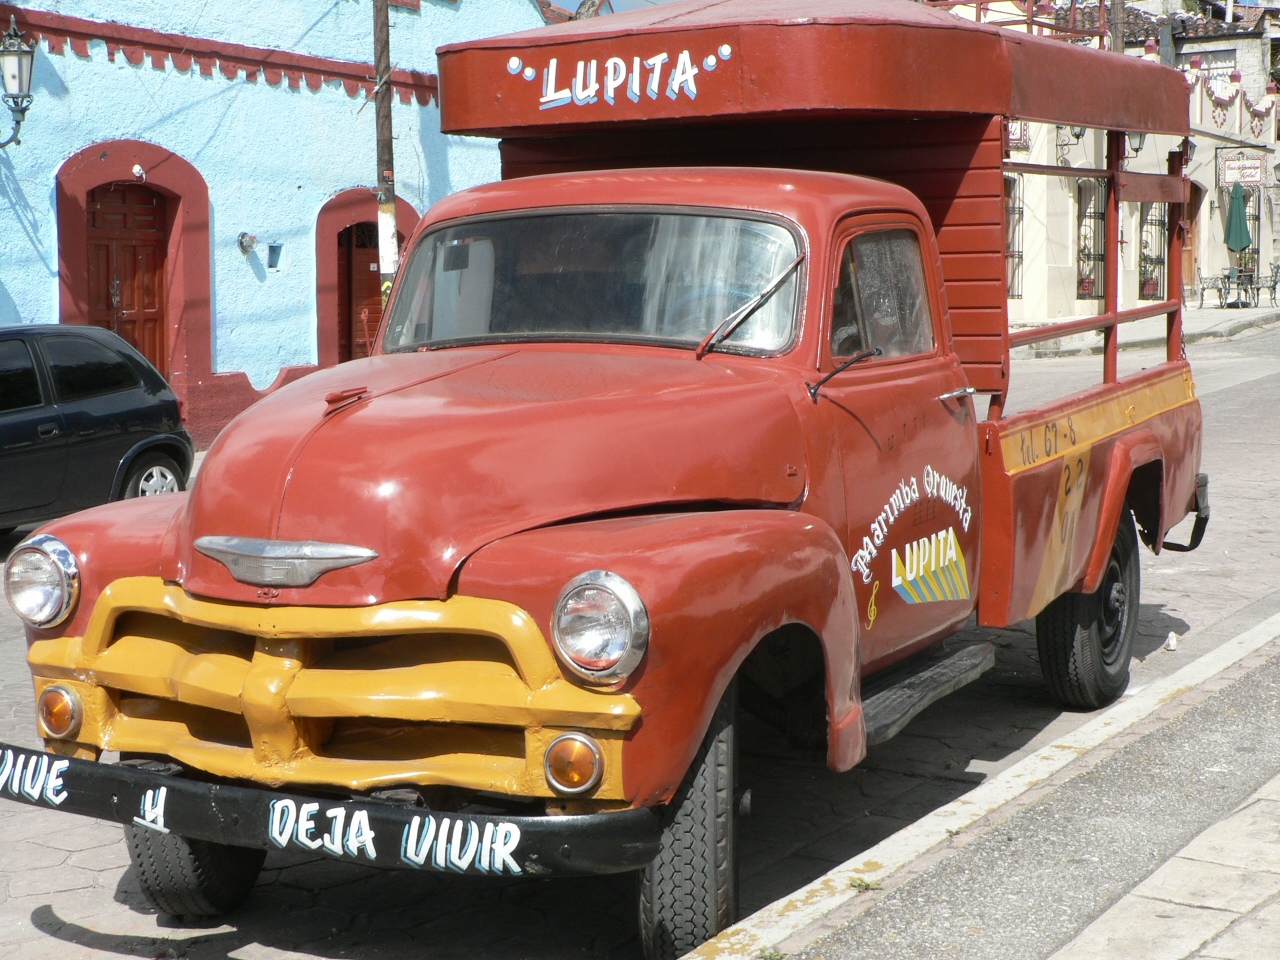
<point>1056,477</point>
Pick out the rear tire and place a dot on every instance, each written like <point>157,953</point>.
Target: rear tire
<point>1086,639</point>
<point>150,474</point>
<point>191,878</point>
<point>689,893</point>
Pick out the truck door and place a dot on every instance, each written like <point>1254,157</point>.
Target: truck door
<point>908,438</point>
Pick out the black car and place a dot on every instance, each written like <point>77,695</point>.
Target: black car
<point>84,419</point>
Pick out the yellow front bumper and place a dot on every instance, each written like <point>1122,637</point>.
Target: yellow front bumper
<point>462,692</point>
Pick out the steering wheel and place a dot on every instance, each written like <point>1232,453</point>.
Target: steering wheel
<point>846,341</point>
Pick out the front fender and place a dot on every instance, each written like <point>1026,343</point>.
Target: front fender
<point>127,538</point>
<point>714,584</point>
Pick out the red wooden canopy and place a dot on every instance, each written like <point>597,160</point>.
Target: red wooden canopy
<point>773,59</point>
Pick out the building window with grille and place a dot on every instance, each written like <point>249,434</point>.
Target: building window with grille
<point>1151,263</point>
<point>1013,235</point>
<point>1253,204</point>
<point>1091,223</point>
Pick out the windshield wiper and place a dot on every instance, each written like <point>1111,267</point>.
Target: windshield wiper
<point>815,387</point>
<point>733,321</point>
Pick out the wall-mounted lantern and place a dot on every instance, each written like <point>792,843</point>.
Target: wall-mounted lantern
<point>1137,141</point>
<point>16,60</point>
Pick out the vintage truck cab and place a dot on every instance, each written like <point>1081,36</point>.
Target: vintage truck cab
<point>683,425</point>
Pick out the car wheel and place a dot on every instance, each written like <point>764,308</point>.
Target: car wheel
<point>689,893</point>
<point>150,474</point>
<point>1086,639</point>
<point>191,878</point>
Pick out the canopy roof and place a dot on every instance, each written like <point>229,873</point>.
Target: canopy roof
<point>769,59</point>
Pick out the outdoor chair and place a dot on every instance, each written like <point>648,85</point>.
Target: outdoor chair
<point>1242,278</point>
<point>1201,284</point>
<point>1268,284</point>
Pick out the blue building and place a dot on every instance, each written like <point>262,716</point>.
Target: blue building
<point>199,177</point>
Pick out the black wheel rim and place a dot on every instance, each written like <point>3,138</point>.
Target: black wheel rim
<point>1114,595</point>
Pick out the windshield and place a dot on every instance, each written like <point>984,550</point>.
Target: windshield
<point>622,276</point>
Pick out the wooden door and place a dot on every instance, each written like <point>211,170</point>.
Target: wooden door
<point>1191,244</point>
<point>359,290</point>
<point>128,237</point>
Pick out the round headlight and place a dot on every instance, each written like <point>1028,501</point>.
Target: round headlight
<point>42,581</point>
<point>600,625</point>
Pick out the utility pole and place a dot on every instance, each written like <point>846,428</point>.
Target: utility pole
<point>388,247</point>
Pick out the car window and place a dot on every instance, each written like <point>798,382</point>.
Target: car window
<point>19,386</point>
<point>881,299</point>
<point>82,368</point>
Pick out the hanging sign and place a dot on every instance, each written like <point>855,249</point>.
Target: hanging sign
<point>1248,167</point>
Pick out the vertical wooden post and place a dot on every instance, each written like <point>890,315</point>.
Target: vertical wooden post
<point>388,245</point>
<point>1111,254</point>
<point>1173,258</point>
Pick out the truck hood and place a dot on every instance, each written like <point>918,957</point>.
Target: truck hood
<point>426,457</point>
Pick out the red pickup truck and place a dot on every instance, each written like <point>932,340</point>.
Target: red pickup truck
<point>684,424</point>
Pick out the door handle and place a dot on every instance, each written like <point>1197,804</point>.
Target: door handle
<point>962,392</point>
<point>47,430</point>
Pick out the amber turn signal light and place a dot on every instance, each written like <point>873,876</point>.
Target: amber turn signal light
<point>573,764</point>
<point>60,712</point>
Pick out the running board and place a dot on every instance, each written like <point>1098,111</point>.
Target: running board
<point>891,699</point>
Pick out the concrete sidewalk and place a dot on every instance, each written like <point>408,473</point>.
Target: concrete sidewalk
<point>1155,836</point>
<point>1217,899</point>
<point>1206,324</point>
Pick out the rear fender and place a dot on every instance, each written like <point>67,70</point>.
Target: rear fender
<point>1129,453</point>
<point>714,584</point>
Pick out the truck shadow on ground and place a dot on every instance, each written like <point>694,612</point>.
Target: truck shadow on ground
<point>804,821</point>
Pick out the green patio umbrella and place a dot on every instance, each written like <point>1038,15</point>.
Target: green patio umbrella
<point>1238,222</point>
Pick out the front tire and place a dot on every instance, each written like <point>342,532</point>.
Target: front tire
<point>1086,639</point>
<point>191,878</point>
<point>150,474</point>
<point>689,893</point>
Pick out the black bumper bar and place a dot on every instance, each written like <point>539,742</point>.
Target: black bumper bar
<point>1202,517</point>
<point>361,831</point>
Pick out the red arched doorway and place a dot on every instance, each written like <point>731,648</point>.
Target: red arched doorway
<point>128,234</point>
<point>182,268</point>
<point>347,281</point>
<point>359,289</point>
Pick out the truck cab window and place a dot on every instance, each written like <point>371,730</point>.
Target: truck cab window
<point>846,331</point>
<point>881,299</point>
<point>660,277</point>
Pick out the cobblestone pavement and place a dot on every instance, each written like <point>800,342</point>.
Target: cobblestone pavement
<point>66,889</point>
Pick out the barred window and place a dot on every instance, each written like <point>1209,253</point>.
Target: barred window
<point>1091,230</point>
<point>1013,235</point>
<point>1151,257</point>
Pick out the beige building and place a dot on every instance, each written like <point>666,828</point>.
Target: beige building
<point>1055,224</point>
